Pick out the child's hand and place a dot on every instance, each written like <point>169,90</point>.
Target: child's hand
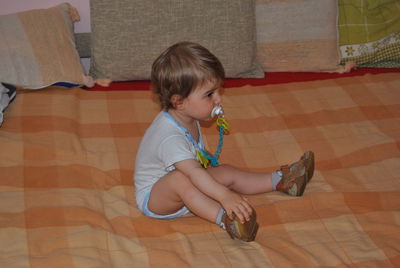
<point>235,203</point>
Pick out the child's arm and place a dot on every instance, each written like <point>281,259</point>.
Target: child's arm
<point>230,201</point>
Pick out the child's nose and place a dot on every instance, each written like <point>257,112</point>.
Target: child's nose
<point>217,98</point>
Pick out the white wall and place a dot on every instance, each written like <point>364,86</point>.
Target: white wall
<point>12,6</point>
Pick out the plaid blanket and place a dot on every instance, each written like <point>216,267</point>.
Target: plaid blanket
<point>66,179</point>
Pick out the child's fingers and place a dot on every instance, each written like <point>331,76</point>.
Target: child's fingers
<point>240,215</point>
<point>243,213</point>
<point>230,214</point>
<point>241,208</point>
<point>248,207</point>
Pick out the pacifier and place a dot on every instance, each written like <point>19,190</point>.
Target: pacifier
<point>217,111</point>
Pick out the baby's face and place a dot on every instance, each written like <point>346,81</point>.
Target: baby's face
<point>201,101</point>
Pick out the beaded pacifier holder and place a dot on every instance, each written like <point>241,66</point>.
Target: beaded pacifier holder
<point>205,158</point>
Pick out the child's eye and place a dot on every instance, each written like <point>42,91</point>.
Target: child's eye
<point>210,94</point>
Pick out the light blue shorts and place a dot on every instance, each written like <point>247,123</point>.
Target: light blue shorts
<point>146,211</point>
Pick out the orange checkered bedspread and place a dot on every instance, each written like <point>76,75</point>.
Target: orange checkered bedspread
<point>67,196</point>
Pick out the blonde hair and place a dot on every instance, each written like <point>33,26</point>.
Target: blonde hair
<point>181,68</point>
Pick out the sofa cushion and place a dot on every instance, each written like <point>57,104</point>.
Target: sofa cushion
<point>127,36</point>
<point>297,35</point>
<point>37,48</point>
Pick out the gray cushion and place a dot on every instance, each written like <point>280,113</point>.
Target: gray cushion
<point>127,36</point>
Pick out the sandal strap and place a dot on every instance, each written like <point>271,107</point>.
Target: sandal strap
<point>287,180</point>
<point>285,170</point>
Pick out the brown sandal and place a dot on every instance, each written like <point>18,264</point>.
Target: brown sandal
<point>246,231</point>
<point>296,176</point>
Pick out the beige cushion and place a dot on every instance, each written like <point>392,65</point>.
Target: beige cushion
<point>37,48</point>
<point>297,35</point>
<point>127,36</point>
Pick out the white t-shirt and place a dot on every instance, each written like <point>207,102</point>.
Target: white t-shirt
<point>163,145</point>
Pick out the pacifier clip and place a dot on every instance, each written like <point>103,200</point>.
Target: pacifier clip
<point>223,129</point>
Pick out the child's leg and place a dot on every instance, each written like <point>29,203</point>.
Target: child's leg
<point>290,179</point>
<point>244,182</point>
<point>174,191</point>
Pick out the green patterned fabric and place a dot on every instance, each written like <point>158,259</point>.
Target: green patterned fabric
<point>369,32</point>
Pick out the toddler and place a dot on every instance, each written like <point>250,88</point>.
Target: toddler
<point>169,179</point>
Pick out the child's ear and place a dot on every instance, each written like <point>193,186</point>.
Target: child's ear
<point>177,101</point>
